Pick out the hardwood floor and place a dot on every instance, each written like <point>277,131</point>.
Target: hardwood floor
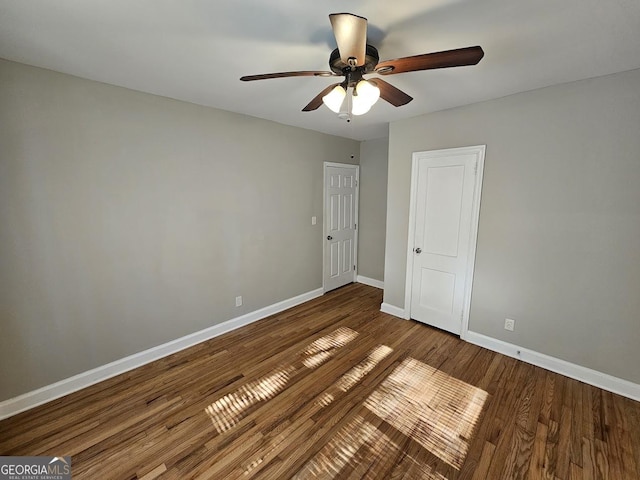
<point>336,389</point>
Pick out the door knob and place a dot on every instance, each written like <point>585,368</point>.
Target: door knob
<point>329,237</point>
<point>418,250</point>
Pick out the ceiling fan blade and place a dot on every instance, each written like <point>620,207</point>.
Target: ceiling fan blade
<point>265,76</point>
<point>317,100</point>
<point>351,36</point>
<point>391,94</point>
<point>430,61</point>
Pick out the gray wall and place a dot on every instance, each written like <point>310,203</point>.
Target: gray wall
<point>373,207</point>
<point>559,235</point>
<point>128,220</point>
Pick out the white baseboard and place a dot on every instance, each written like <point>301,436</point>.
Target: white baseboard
<point>592,377</point>
<point>393,310</point>
<point>372,282</point>
<point>64,387</point>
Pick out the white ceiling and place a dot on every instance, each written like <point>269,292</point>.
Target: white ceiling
<point>196,50</point>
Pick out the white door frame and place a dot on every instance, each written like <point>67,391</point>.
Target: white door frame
<point>324,216</point>
<point>479,151</point>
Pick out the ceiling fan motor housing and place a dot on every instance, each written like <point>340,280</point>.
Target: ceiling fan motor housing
<point>341,68</point>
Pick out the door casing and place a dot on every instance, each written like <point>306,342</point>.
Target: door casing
<point>324,217</point>
<point>479,151</point>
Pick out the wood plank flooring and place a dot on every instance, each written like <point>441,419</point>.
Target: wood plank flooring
<point>336,389</point>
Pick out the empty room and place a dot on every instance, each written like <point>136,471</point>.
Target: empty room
<point>338,240</point>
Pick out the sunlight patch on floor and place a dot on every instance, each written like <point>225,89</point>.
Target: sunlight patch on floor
<point>341,386</point>
<point>355,375</point>
<point>227,411</point>
<point>425,407</point>
<point>230,409</point>
<point>325,347</point>
<point>429,409</point>
<point>341,450</point>
<point>433,408</point>
<point>361,447</point>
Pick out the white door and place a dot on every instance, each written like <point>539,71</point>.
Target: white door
<point>446,195</point>
<point>340,233</point>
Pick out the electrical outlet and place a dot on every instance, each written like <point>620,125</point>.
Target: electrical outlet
<point>239,301</point>
<point>314,220</point>
<point>509,324</point>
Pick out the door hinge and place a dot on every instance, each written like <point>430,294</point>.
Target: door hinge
<point>354,267</point>
<point>356,183</point>
<point>355,226</point>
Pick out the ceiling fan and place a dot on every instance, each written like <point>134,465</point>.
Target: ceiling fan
<point>354,58</point>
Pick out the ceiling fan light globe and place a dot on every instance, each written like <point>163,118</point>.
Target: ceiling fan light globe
<point>368,92</point>
<point>360,105</point>
<point>333,100</point>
